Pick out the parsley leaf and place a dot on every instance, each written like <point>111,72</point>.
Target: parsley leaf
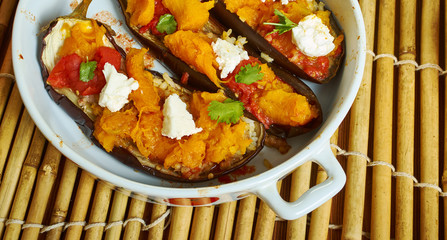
<point>228,111</point>
<point>249,74</point>
<point>86,71</point>
<point>166,24</point>
<point>284,24</point>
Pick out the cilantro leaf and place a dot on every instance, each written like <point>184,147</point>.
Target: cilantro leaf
<point>228,111</point>
<point>249,74</point>
<point>166,24</point>
<point>284,24</point>
<point>86,71</point>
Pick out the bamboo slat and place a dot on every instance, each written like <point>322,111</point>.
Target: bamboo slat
<point>45,180</point>
<point>7,8</point>
<point>429,125</point>
<point>80,205</point>
<point>245,217</point>
<point>180,222</point>
<point>201,223</point>
<point>26,185</point>
<point>444,174</point>
<point>354,200</point>
<point>63,197</point>
<point>117,212</point>
<point>5,82</point>
<point>156,232</point>
<point>383,124</point>
<point>225,220</point>
<point>8,125</point>
<point>100,208</point>
<point>136,210</point>
<point>406,121</point>
<point>15,163</point>
<point>265,222</point>
<point>319,221</point>
<point>296,229</point>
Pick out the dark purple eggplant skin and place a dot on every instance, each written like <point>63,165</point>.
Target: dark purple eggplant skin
<point>258,43</point>
<point>87,125</point>
<point>202,82</point>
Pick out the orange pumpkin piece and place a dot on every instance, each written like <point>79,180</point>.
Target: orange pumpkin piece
<point>190,15</point>
<point>113,128</point>
<point>142,11</point>
<point>147,136</point>
<point>295,109</point>
<point>189,152</point>
<point>216,143</point>
<point>250,11</point>
<point>84,38</point>
<point>227,140</point>
<point>145,98</point>
<point>297,10</point>
<point>194,49</point>
<point>224,139</point>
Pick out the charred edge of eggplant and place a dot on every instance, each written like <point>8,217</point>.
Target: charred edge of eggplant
<point>201,82</point>
<point>197,80</point>
<point>232,20</point>
<point>301,88</point>
<point>123,155</point>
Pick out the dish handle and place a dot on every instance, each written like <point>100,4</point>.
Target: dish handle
<point>312,198</point>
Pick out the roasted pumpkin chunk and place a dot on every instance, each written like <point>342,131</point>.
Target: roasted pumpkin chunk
<point>83,39</point>
<point>194,49</point>
<point>142,11</point>
<point>190,15</point>
<point>294,108</point>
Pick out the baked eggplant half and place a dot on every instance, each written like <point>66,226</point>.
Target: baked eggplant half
<point>145,119</point>
<point>187,41</point>
<point>299,36</point>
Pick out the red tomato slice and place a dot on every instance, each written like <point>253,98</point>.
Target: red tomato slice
<point>106,54</point>
<point>65,71</point>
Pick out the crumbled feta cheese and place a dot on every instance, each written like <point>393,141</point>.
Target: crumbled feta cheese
<point>177,121</point>
<point>228,56</point>
<point>312,37</point>
<point>115,93</point>
<point>283,2</point>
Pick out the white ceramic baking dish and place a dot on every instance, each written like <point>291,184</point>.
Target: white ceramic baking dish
<point>335,97</point>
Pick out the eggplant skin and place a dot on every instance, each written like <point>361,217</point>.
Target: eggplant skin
<point>300,87</point>
<point>201,82</point>
<point>259,44</point>
<point>130,155</point>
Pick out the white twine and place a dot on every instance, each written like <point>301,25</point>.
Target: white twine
<point>411,62</point>
<point>88,226</point>
<point>7,75</point>
<point>370,163</point>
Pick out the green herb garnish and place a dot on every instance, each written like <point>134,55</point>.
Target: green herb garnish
<point>166,24</point>
<point>284,24</point>
<point>228,111</point>
<point>86,71</point>
<point>249,74</point>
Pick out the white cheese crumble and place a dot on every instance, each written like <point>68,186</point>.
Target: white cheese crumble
<point>177,121</point>
<point>228,56</point>
<point>114,94</point>
<point>283,2</point>
<point>312,37</point>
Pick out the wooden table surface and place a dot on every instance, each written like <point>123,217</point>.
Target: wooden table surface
<point>391,145</point>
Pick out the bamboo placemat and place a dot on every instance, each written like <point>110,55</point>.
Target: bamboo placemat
<point>392,146</point>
